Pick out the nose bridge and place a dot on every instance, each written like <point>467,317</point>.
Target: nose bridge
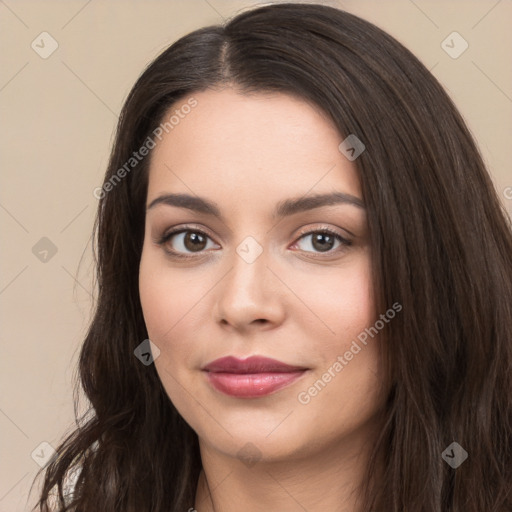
<point>247,292</point>
<point>248,269</point>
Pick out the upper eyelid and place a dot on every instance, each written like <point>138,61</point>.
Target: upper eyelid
<point>180,229</point>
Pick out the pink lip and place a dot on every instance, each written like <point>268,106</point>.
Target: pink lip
<point>252,377</point>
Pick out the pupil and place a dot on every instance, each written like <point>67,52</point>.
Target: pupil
<point>195,241</point>
<point>320,243</point>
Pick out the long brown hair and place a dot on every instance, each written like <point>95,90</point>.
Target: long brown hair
<point>441,245</point>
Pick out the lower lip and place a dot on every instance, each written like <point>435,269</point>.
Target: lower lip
<point>252,385</point>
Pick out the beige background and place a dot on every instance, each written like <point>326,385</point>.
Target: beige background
<point>58,117</point>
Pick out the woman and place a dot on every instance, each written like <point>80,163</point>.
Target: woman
<point>298,219</point>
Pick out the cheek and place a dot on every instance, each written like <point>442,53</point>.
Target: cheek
<point>353,300</point>
<point>159,308</point>
<point>340,304</point>
<point>166,295</point>
<point>344,303</point>
<point>174,309</point>
<point>155,299</point>
<point>168,305</point>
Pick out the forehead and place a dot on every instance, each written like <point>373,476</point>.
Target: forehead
<point>234,146</point>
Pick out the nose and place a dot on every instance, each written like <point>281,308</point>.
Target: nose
<point>250,296</point>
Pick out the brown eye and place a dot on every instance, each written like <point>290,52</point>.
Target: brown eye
<point>185,241</point>
<point>194,241</point>
<point>323,241</point>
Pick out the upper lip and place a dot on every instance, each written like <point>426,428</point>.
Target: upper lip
<point>253,364</point>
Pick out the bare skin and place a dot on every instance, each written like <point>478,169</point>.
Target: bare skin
<point>300,302</point>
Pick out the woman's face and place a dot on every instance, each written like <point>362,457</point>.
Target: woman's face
<point>257,276</point>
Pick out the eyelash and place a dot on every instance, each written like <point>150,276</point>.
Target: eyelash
<point>183,229</point>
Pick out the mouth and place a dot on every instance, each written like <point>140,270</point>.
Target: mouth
<point>252,377</point>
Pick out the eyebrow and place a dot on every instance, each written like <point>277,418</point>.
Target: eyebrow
<point>283,208</point>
